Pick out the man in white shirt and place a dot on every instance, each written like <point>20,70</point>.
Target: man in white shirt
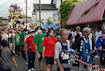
<point>97,34</point>
<point>76,34</point>
<point>11,40</point>
<point>63,45</point>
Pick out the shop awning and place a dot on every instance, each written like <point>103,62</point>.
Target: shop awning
<point>94,15</point>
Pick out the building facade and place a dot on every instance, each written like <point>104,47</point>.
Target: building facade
<point>46,11</point>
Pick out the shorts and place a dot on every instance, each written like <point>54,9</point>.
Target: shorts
<point>40,56</point>
<point>8,70</point>
<point>49,60</point>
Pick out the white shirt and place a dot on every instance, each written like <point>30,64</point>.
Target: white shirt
<point>11,35</point>
<point>69,32</point>
<point>58,48</point>
<point>73,37</point>
<point>26,37</point>
<point>90,35</point>
<point>97,34</point>
<point>75,34</point>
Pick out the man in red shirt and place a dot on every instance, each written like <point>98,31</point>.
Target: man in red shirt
<point>31,51</point>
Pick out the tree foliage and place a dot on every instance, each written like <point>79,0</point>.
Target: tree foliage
<point>37,20</point>
<point>66,9</point>
<point>0,21</point>
<point>49,22</point>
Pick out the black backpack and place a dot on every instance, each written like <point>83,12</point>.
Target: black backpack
<point>69,37</point>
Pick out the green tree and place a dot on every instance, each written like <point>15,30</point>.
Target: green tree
<point>49,22</point>
<point>37,20</point>
<point>65,10</point>
<point>0,21</point>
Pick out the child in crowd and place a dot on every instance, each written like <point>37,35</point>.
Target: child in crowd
<point>6,55</point>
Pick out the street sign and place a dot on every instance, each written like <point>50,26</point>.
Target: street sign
<point>33,18</point>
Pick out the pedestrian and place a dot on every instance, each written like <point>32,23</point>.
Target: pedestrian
<point>22,38</point>
<point>63,63</point>
<point>3,37</point>
<point>30,50</point>
<point>58,37</point>
<point>11,40</point>
<point>17,44</point>
<point>25,45</point>
<point>70,33</point>
<point>100,45</point>
<point>98,33</point>
<point>6,55</point>
<point>38,39</point>
<point>77,34</point>
<point>85,50</point>
<point>48,49</point>
<point>16,31</point>
<point>29,33</point>
<point>6,35</point>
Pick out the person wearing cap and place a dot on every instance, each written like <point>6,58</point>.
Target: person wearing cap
<point>100,45</point>
<point>30,49</point>
<point>85,50</point>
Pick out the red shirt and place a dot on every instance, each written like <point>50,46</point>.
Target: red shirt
<point>49,43</point>
<point>29,41</point>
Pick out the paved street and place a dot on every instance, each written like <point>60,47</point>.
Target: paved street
<point>23,67</point>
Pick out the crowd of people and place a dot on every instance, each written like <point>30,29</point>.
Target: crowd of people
<point>15,7</point>
<point>50,46</point>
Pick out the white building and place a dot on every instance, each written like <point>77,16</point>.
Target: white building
<point>46,11</point>
<point>56,14</point>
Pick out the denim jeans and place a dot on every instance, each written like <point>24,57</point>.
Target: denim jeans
<point>31,59</point>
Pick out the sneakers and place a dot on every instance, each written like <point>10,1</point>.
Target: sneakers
<point>32,69</point>
<point>27,63</point>
<point>16,55</point>
<point>29,70</point>
<point>102,66</point>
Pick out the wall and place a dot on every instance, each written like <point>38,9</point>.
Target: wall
<point>5,21</point>
<point>45,14</point>
<point>57,3</point>
<point>56,16</point>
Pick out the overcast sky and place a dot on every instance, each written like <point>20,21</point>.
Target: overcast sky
<point>5,4</point>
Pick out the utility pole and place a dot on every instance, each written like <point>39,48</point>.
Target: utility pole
<point>40,12</point>
<point>61,1</point>
<point>26,12</point>
<point>61,18</point>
